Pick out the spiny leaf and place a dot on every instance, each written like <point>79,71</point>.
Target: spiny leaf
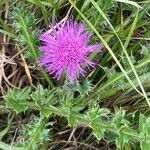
<point>15,99</point>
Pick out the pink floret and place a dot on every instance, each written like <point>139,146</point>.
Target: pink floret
<point>66,48</point>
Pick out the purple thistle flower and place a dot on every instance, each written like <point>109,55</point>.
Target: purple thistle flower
<point>66,48</point>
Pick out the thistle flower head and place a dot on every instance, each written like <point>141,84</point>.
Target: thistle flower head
<point>66,48</point>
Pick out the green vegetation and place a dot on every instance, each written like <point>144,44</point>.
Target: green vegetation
<point>107,109</point>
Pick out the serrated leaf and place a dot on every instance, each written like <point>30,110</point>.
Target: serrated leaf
<point>145,50</point>
<point>123,137</point>
<point>84,88</point>
<point>98,134</point>
<point>16,99</point>
<point>144,126</point>
<point>94,116</point>
<point>126,62</point>
<point>119,118</point>
<point>72,116</point>
<point>72,120</point>
<point>98,129</point>
<point>45,112</point>
<point>37,133</point>
<point>43,96</point>
<point>145,145</point>
<point>103,111</point>
<point>110,72</point>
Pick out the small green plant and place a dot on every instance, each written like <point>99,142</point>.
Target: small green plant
<point>24,23</point>
<point>97,100</point>
<point>100,120</point>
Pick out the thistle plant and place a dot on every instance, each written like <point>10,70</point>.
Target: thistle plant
<point>65,48</point>
<point>100,104</point>
<point>100,120</point>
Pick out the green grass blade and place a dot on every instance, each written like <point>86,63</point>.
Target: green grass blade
<point>124,50</point>
<point>130,2</point>
<point>7,33</point>
<point>4,146</point>
<point>131,31</point>
<point>117,78</point>
<point>105,44</point>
